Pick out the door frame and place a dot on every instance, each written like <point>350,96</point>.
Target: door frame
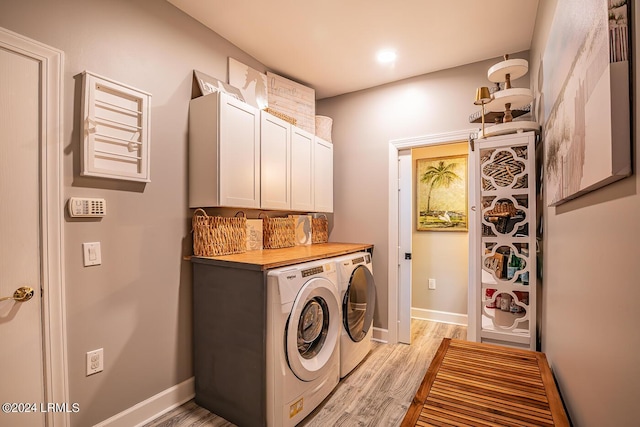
<point>51,63</point>
<point>395,146</point>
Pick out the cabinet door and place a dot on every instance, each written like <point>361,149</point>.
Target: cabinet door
<point>275,163</point>
<point>507,223</point>
<point>323,175</point>
<point>302,167</point>
<point>239,164</point>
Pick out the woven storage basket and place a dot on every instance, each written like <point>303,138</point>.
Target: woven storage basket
<point>282,116</point>
<point>319,230</point>
<point>278,232</point>
<point>216,235</point>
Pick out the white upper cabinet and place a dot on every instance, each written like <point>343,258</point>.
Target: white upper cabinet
<point>287,166</point>
<point>242,157</point>
<point>302,166</point>
<point>275,149</point>
<point>323,175</point>
<point>224,153</point>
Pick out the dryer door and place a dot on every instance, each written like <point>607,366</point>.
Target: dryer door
<point>312,329</point>
<point>358,303</point>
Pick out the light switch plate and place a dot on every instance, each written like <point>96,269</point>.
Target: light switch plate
<point>92,254</point>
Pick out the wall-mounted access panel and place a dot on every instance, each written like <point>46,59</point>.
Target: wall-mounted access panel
<point>116,122</point>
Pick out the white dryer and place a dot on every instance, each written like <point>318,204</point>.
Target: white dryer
<point>357,296</point>
<point>303,330</point>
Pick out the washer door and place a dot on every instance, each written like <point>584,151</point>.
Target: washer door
<point>358,303</point>
<point>312,329</point>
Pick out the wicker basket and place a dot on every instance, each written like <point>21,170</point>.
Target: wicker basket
<point>319,230</point>
<point>278,232</point>
<point>216,235</point>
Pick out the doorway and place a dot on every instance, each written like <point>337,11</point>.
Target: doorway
<point>32,331</point>
<point>399,281</point>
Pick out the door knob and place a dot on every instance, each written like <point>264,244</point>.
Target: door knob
<point>21,294</point>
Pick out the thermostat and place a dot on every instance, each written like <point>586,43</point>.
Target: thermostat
<point>84,207</point>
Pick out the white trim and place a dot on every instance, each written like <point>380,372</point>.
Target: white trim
<point>394,146</point>
<point>439,316</point>
<point>53,317</point>
<point>433,139</point>
<point>380,335</point>
<point>155,406</point>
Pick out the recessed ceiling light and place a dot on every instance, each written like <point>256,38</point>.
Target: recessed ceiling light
<point>386,56</point>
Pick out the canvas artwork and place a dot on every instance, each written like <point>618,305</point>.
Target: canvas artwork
<point>208,84</point>
<point>252,83</point>
<point>441,193</point>
<point>585,98</point>
<point>293,99</point>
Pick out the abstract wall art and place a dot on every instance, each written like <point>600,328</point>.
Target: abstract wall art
<point>584,99</point>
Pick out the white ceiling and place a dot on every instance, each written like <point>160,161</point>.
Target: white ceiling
<point>331,45</point>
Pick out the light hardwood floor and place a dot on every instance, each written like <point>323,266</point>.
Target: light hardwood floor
<point>376,393</point>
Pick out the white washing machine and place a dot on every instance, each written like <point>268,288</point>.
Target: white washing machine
<point>303,340</point>
<point>357,299</point>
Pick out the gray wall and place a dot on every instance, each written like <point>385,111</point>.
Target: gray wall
<point>590,288</point>
<point>137,304</point>
<point>363,124</point>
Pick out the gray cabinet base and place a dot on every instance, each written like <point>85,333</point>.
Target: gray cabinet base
<point>229,309</point>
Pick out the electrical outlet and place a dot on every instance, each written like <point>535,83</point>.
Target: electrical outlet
<point>95,361</point>
<point>432,283</point>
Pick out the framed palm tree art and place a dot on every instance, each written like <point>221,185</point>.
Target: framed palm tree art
<point>441,194</point>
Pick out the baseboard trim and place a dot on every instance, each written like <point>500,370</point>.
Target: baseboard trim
<point>381,335</point>
<point>147,410</point>
<point>439,316</point>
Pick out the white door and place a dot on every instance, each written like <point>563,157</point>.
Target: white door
<point>405,228</point>
<point>21,354</point>
<point>399,283</point>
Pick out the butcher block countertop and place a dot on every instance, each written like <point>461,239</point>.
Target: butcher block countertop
<point>266,259</point>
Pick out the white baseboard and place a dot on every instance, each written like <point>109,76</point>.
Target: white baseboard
<point>380,334</point>
<point>145,411</point>
<point>439,316</point>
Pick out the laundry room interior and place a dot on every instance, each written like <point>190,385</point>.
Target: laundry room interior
<point>235,214</point>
